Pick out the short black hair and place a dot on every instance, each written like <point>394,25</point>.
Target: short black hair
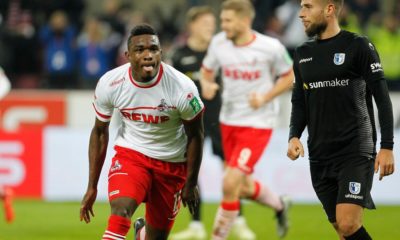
<point>141,29</point>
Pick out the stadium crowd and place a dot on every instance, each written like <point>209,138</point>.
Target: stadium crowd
<point>64,45</point>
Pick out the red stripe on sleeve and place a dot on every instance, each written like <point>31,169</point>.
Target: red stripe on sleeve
<point>100,114</point>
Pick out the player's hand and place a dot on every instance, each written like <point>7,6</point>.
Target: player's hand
<point>208,89</point>
<point>256,100</point>
<point>190,197</point>
<point>384,163</point>
<point>295,149</point>
<point>87,205</point>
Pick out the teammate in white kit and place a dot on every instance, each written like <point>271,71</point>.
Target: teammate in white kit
<point>250,63</point>
<point>6,193</point>
<point>159,143</point>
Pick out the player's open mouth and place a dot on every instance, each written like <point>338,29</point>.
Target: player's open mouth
<point>148,67</point>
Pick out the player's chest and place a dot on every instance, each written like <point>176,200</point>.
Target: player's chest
<point>326,65</point>
<point>154,106</point>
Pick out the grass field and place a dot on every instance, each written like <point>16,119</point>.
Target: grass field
<point>37,220</point>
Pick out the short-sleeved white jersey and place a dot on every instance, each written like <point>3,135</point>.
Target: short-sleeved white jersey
<point>249,68</point>
<point>152,113</point>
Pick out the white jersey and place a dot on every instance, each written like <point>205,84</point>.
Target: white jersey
<point>5,84</point>
<point>152,113</point>
<point>249,68</point>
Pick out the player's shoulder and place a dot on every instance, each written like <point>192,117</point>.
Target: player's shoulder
<point>172,74</point>
<point>114,77</point>
<point>175,77</point>
<point>265,39</point>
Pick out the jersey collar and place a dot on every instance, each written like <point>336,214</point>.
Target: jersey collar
<point>149,84</point>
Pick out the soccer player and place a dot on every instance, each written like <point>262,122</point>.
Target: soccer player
<point>159,143</point>
<point>201,24</point>
<point>250,63</point>
<point>337,73</point>
<point>6,193</point>
<point>5,85</point>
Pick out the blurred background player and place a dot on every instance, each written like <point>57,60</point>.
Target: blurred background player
<point>159,145</point>
<point>201,25</point>
<point>6,193</point>
<point>250,63</point>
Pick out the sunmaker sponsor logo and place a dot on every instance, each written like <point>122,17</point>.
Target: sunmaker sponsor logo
<point>329,83</point>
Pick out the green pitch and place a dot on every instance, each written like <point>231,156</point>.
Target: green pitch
<point>37,220</point>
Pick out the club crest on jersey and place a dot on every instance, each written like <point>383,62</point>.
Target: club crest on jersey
<point>162,106</point>
<point>338,58</point>
<point>355,187</point>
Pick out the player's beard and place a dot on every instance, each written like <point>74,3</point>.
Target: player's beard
<point>316,29</point>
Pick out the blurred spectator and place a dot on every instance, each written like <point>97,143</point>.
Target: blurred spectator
<point>19,44</point>
<point>58,40</point>
<point>364,9</point>
<point>93,53</point>
<point>264,9</point>
<point>72,8</point>
<point>349,21</point>
<point>292,29</point>
<point>386,38</point>
<point>115,28</point>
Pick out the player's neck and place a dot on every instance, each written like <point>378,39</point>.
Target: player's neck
<point>331,30</point>
<point>245,38</point>
<point>197,44</point>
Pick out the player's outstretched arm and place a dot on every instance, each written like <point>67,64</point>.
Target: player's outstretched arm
<point>295,148</point>
<point>97,152</point>
<point>195,133</point>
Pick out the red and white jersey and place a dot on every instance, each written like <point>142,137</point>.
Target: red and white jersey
<point>152,113</point>
<point>248,68</point>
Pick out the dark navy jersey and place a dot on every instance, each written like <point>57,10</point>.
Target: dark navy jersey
<point>189,62</point>
<point>335,82</point>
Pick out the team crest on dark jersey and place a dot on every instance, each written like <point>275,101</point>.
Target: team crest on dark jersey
<point>338,58</point>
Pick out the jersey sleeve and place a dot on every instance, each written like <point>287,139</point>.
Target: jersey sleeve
<point>298,114</point>
<point>283,62</point>
<point>102,102</point>
<point>371,70</point>
<point>189,102</point>
<point>210,61</point>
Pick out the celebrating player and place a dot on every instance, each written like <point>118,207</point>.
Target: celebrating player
<point>159,143</point>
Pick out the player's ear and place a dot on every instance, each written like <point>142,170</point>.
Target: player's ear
<point>329,10</point>
<point>127,55</point>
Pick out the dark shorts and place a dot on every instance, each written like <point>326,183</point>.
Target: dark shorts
<point>212,127</point>
<point>348,181</point>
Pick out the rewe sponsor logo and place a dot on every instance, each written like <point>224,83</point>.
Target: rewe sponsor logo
<point>304,60</point>
<point>329,83</point>
<point>246,75</point>
<point>144,117</point>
